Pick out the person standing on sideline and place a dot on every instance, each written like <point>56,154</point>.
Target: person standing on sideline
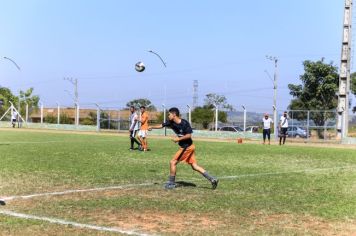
<point>267,121</point>
<point>142,134</point>
<point>186,152</point>
<point>14,118</point>
<point>133,128</point>
<point>283,127</point>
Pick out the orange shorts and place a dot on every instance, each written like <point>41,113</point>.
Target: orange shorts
<point>186,154</point>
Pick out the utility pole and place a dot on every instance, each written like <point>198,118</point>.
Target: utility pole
<point>76,98</point>
<point>344,79</point>
<point>275,60</point>
<point>195,94</point>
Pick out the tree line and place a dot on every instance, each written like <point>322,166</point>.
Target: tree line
<point>317,90</point>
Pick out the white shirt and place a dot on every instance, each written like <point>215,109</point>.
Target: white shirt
<point>284,122</point>
<point>134,121</point>
<point>267,123</point>
<point>14,115</point>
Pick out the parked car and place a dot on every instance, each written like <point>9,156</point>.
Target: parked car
<point>297,132</point>
<point>231,129</point>
<point>251,129</point>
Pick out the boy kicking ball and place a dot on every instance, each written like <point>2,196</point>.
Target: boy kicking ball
<point>186,151</point>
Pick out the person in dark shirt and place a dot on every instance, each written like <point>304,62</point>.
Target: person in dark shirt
<point>186,151</point>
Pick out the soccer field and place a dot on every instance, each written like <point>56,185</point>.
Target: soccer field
<point>58,183</point>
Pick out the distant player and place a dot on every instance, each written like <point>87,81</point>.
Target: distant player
<point>14,119</point>
<point>133,128</point>
<point>142,134</point>
<point>283,126</point>
<point>186,151</point>
<point>267,121</point>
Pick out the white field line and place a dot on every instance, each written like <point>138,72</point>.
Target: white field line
<point>53,141</point>
<point>288,172</point>
<point>280,173</point>
<point>129,186</point>
<point>70,223</point>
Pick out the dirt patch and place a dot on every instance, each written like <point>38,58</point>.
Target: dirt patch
<point>304,224</point>
<point>159,222</point>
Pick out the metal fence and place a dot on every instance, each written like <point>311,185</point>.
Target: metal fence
<point>303,125</point>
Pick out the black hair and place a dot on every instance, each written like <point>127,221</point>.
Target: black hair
<point>143,107</point>
<point>133,107</point>
<point>174,110</point>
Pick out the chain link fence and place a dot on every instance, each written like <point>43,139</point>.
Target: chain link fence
<point>306,126</point>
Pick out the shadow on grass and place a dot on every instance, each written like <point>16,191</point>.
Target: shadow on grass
<point>182,184</point>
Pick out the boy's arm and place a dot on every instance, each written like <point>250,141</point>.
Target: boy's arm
<point>155,127</point>
<point>177,139</point>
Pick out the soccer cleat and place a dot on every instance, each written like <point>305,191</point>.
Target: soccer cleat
<point>170,185</point>
<point>2,202</point>
<point>214,183</point>
<point>131,149</point>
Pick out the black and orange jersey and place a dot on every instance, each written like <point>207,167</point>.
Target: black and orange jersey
<point>181,129</point>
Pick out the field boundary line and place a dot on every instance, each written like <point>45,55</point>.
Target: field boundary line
<point>70,223</point>
<point>277,173</point>
<point>128,186</point>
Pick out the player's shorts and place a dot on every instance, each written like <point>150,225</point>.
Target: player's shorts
<point>142,133</point>
<point>186,154</point>
<point>133,133</point>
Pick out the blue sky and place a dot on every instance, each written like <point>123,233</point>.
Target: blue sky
<point>222,44</point>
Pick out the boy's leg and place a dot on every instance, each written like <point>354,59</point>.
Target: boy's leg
<point>144,143</point>
<point>134,138</point>
<point>213,180</point>
<point>172,174</point>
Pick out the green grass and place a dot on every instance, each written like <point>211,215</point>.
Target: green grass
<point>271,194</point>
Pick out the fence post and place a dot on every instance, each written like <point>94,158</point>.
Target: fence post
<point>109,121</point>
<point>97,117</point>
<point>58,113</point>
<point>77,111</point>
<point>308,124</point>
<point>26,112</point>
<point>41,113</point>
<point>118,120</point>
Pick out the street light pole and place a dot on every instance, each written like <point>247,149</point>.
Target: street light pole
<point>216,116</point>
<point>76,98</point>
<point>13,62</point>
<point>165,86</point>
<point>275,60</point>
<point>244,108</point>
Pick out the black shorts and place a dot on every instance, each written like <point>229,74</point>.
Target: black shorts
<point>133,133</point>
<point>266,133</point>
<point>283,132</point>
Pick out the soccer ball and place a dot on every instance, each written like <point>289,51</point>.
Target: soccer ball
<point>139,67</point>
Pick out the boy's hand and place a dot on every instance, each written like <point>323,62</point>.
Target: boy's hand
<point>175,139</point>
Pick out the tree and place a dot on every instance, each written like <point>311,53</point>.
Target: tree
<point>6,96</point>
<point>353,87</point>
<point>205,115</point>
<point>141,102</point>
<point>317,91</point>
<point>29,98</point>
<point>213,99</point>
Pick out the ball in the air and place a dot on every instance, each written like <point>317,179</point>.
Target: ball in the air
<point>139,67</point>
